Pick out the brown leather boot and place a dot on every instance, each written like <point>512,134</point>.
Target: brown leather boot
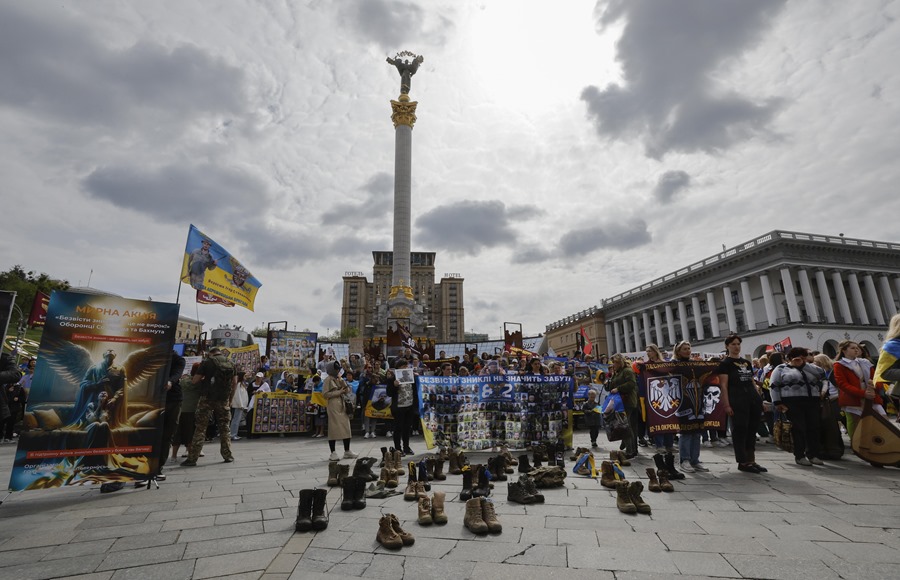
<point>439,469</point>
<point>607,475</point>
<point>438,515</point>
<point>510,460</point>
<point>664,483</point>
<point>623,498</point>
<point>654,483</point>
<point>577,453</point>
<point>490,516</point>
<point>411,494</point>
<point>531,488</point>
<point>398,462</point>
<point>619,457</point>
<point>454,467</point>
<point>474,518</point>
<point>386,535</point>
<point>425,518</point>
<point>407,538</point>
<point>332,474</point>
<point>634,492</point>
<point>393,479</point>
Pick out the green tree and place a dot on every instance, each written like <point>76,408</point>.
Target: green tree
<point>26,285</point>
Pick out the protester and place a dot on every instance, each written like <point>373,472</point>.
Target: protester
<point>591,417</point>
<point>796,388</point>
<point>217,382</point>
<point>688,439</point>
<point>887,373</point>
<point>742,403</point>
<point>239,404</point>
<point>190,396</point>
<point>854,378</point>
<point>832,439</point>
<point>404,408</point>
<point>623,381</point>
<point>335,389</point>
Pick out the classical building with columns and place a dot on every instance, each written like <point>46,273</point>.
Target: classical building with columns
<point>815,290</point>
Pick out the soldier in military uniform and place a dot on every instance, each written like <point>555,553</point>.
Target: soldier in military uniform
<point>215,398</point>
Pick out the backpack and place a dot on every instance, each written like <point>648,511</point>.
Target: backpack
<point>222,379</point>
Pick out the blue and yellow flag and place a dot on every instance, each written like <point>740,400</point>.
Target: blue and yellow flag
<point>213,272</point>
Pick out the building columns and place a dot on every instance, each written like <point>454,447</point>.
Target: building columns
<point>618,337</point>
<point>790,296</point>
<point>713,313</point>
<point>670,319</point>
<point>809,299</point>
<point>841,296</point>
<point>824,296</point>
<point>682,319</point>
<point>769,299</point>
<point>729,309</point>
<point>698,317</point>
<point>873,304</point>
<point>748,304</point>
<point>856,295</point>
<point>636,332</point>
<point>645,316</point>
<point>657,326</point>
<point>887,297</point>
<point>626,335</point>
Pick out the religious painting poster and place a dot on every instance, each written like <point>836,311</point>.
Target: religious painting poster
<point>280,412</point>
<point>94,411</point>
<point>683,396</point>
<point>486,411</point>
<point>293,352</point>
<point>210,268</point>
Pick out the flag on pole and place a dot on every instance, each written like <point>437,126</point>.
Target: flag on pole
<point>586,346</point>
<point>215,273</point>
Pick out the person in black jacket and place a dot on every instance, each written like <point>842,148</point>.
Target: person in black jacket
<point>171,413</point>
<point>404,407</point>
<point>8,374</point>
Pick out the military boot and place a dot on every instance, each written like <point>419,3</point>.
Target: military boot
<point>453,460</point>
<point>425,518</point>
<point>607,475</point>
<point>438,515</point>
<point>363,468</point>
<point>540,454</point>
<point>386,535</point>
<point>654,482</point>
<point>411,494</point>
<point>524,467</point>
<point>348,489</point>
<point>304,511</point>
<point>384,455</point>
<point>578,452</point>
<point>332,474</point>
<point>429,468</point>
<point>481,482</point>
<point>510,460</point>
<point>516,493</point>
<point>407,538</point>
<point>623,498</point>
<point>490,516</point>
<point>422,477</point>
<point>466,492</point>
<point>474,518</point>
<point>438,471</point>
<point>319,513</point>
<point>664,483</point>
<point>531,488</point>
<point>398,462</point>
<point>634,492</point>
<point>619,457</point>
<point>359,494</point>
<point>393,479</point>
<point>497,467</point>
<point>670,467</point>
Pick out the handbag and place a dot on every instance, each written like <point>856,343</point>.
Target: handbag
<point>349,407</point>
<point>782,434</point>
<point>617,427</point>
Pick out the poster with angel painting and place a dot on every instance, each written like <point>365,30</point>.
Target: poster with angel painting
<point>94,414</point>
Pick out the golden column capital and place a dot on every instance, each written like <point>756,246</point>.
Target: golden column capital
<point>404,111</point>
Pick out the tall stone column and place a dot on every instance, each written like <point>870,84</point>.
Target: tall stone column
<point>887,296</point>
<point>713,313</point>
<point>626,335</point>
<point>670,325</point>
<point>404,117</point>
<point>749,315</point>
<point>682,319</point>
<point>873,304</point>
<point>618,334</point>
<point>768,300</point>
<point>698,317</point>
<point>729,309</point>
<point>790,296</point>
<point>636,331</point>
<point>657,324</point>
<point>841,296</point>
<point>645,318</point>
<point>856,294</point>
<point>809,300</point>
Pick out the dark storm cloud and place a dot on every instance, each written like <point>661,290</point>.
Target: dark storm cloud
<point>670,183</point>
<point>391,24</point>
<point>467,227</point>
<point>531,255</point>
<point>618,235</point>
<point>177,192</point>
<point>377,205</point>
<point>669,53</point>
<point>54,67</point>
<point>278,247</point>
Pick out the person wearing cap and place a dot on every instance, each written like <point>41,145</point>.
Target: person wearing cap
<point>199,261</point>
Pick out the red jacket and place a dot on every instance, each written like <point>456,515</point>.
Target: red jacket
<point>852,391</point>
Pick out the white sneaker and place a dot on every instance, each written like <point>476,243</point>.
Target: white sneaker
<point>334,456</point>
<point>707,443</point>
<point>686,467</point>
<point>816,461</point>
<point>365,436</point>
<point>699,467</point>
<point>722,443</point>
<point>350,455</point>
<point>390,434</point>
<point>726,440</point>
<point>803,461</point>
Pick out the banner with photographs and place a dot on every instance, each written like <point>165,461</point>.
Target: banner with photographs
<point>683,396</point>
<point>94,411</point>
<point>485,411</point>
<point>245,358</point>
<point>379,404</point>
<point>294,352</point>
<point>280,412</point>
<point>210,268</point>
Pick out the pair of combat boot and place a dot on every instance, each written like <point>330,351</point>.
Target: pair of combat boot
<point>416,485</point>
<point>510,460</point>
<point>354,492</point>
<point>618,456</point>
<point>311,512</point>
<point>363,468</point>
<point>659,480</point>
<point>476,482</point>
<point>456,460</point>
<point>524,491</point>
<point>391,535</point>
<point>431,468</point>
<point>480,516</point>
<point>336,473</point>
<point>431,509</point>
<point>667,463</point>
<point>628,498</point>
<point>498,467</point>
<point>392,459</point>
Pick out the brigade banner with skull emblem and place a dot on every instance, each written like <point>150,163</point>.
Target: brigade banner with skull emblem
<point>683,396</point>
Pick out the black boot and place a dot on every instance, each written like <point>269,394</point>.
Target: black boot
<point>304,511</point>
<point>517,494</point>
<point>423,474</point>
<point>359,494</point>
<point>499,470</point>
<point>482,483</point>
<point>466,493</point>
<point>348,489</point>
<point>319,513</point>
<point>384,451</point>
<point>524,467</point>
<point>363,469</point>
<point>670,467</point>
<point>530,488</point>
<point>660,461</point>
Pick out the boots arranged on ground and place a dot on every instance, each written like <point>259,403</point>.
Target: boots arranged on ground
<point>438,469</point>
<point>607,475</point>
<point>670,467</point>
<point>425,510</point>
<point>363,468</point>
<point>481,482</point>
<point>623,498</point>
<point>336,472</point>
<point>407,538</point>
<point>438,515</point>
<point>319,509</point>
<point>422,473</point>
<point>411,494</point>
<point>386,535</point>
<point>348,490</point>
<point>466,492</point>
<point>516,493</point>
<point>635,488</point>
<point>490,516</point>
<point>524,466</point>
<point>664,483</point>
<point>474,518</point>
<point>654,482</point>
<point>304,511</point>
<point>531,488</point>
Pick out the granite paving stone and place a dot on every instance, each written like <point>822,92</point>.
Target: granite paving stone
<point>234,545</point>
<point>53,568</point>
<point>779,567</point>
<point>182,570</point>
<point>703,564</point>
<point>139,557</point>
<point>541,555</point>
<point>244,561</point>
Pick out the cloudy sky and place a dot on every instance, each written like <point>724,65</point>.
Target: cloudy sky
<point>564,151</point>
